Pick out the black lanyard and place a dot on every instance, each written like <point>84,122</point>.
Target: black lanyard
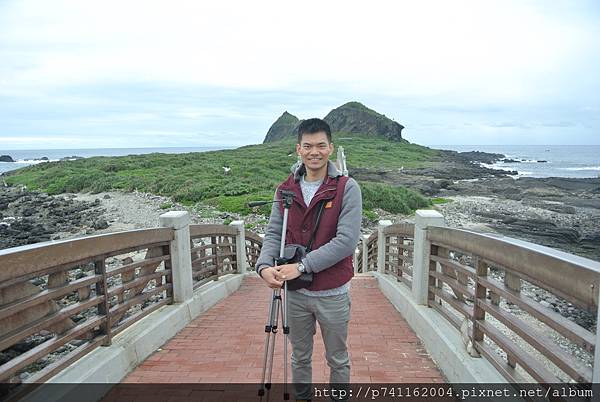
<point>312,236</point>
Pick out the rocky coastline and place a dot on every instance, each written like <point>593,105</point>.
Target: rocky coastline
<point>558,212</point>
<point>563,213</point>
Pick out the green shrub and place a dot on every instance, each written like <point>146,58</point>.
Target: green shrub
<point>370,215</point>
<point>392,199</point>
<point>440,200</point>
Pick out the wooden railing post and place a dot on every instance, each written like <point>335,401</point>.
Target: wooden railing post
<point>596,368</point>
<point>240,247</point>
<point>381,245</point>
<point>104,307</point>
<point>422,251</point>
<point>365,254</point>
<point>481,269</point>
<point>181,254</point>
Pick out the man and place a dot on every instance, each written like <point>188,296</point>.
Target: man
<point>316,181</point>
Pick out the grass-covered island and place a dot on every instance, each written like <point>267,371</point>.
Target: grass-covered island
<point>255,171</point>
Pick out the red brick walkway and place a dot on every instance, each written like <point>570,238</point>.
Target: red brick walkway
<point>225,344</point>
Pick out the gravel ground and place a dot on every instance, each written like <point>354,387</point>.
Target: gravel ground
<point>129,211</point>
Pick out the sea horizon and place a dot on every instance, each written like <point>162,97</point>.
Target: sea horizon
<point>28,157</point>
<point>577,161</point>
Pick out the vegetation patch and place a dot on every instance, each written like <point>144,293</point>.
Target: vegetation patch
<point>440,200</point>
<point>226,179</point>
<point>393,199</point>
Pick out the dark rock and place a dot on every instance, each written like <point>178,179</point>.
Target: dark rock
<point>354,117</point>
<point>508,220</point>
<point>491,215</point>
<point>28,211</point>
<point>283,127</point>
<point>74,157</point>
<point>481,157</point>
<point>100,224</point>
<point>40,217</point>
<point>6,158</point>
<point>106,197</point>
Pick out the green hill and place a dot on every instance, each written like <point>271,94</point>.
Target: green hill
<point>255,172</point>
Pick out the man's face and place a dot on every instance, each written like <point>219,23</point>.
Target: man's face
<point>315,150</point>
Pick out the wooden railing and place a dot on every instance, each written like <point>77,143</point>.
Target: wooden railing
<point>59,301</point>
<point>398,258</point>
<point>494,289</point>
<point>213,252</point>
<point>367,254</point>
<point>253,245</point>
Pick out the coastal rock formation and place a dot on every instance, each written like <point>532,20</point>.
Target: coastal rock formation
<point>354,117</point>
<point>29,217</point>
<point>350,118</point>
<point>6,158</point>
<point>283,127</point>
<point>481,157</point>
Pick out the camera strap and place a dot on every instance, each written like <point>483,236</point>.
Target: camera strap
<point>312,236</point>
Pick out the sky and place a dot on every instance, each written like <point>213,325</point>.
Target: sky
<point>77,74</point>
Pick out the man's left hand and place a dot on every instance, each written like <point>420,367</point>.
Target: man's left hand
<point>287,272</point>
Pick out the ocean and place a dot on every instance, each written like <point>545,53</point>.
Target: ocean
<point>560,160</point>
<point>579,161</point>
<point>27,157</point>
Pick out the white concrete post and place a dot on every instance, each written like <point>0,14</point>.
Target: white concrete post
<point>365,257</point>
<point>181,255</point>
<point>596,372</point>
<point>422,248</point>
<point>381,245</point>
<point>355,260</point>
<point>240,246</point>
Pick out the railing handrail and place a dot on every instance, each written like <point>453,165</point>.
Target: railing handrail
<point>198,230</point>
<point>33,258</point>
<point>406,229</point>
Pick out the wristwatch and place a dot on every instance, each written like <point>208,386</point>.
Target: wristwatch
<point>301,268</point>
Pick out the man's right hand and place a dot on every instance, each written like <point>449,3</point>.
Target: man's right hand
<point>268,275</point>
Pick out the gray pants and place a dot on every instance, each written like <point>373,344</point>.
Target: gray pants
<point>333,314</point>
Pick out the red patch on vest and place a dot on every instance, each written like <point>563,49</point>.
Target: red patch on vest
<point>329,204</point>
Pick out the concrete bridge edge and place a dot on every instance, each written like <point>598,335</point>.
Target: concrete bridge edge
<point>442,340</point>
<point>107,366</point>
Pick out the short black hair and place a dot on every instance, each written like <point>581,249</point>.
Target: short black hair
<point>312,126</point>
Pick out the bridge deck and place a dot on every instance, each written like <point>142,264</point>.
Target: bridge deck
<point>225,344</point>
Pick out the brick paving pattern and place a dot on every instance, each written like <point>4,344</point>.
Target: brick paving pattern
<point>225,344</point>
